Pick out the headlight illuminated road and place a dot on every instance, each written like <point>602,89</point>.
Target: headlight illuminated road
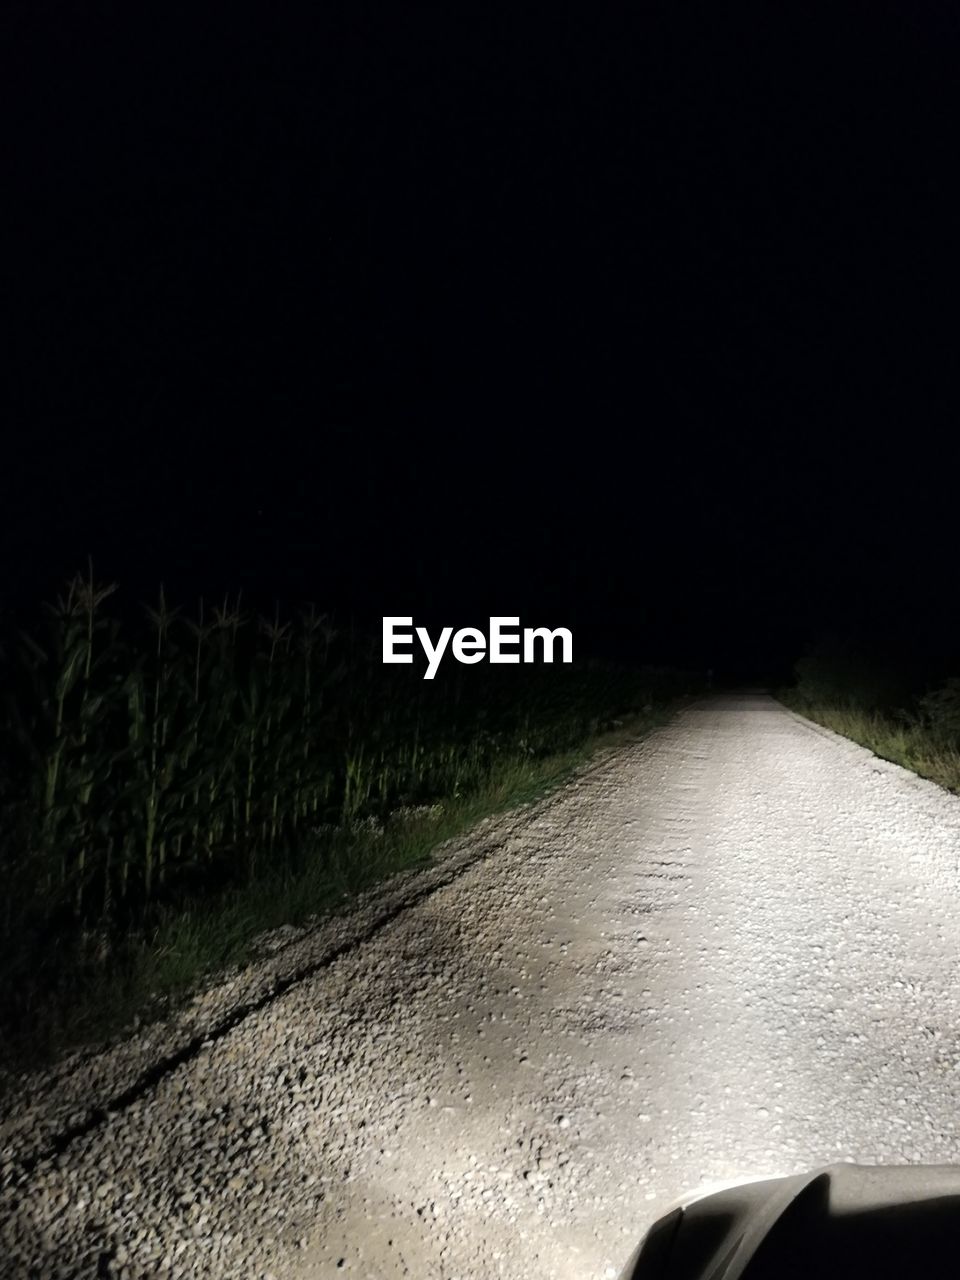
<point>727,951</point>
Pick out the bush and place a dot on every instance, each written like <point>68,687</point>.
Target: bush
<point>841,671</point>
<point>940,711</point>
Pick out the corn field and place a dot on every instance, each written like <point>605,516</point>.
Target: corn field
<point>149,760</point>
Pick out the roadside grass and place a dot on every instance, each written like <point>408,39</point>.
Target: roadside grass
<point>147,976</point>
<point>903,739</point>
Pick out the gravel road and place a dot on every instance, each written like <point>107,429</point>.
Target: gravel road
<point>728,948</point>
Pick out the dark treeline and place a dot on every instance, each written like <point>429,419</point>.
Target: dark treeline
<point>873,672</point>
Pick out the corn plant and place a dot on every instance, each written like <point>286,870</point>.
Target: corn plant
<point>146,762</point>
<point>60,725</point>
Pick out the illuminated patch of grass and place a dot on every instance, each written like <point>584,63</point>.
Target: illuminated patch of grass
<point>905,741</point>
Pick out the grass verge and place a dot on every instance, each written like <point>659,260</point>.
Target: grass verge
<point>912,745</point>
<point>147,978</point>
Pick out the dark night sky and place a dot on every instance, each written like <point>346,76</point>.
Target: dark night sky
<point>640,317</point>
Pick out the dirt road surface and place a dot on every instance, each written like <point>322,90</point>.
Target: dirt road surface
<point>728,949</point>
